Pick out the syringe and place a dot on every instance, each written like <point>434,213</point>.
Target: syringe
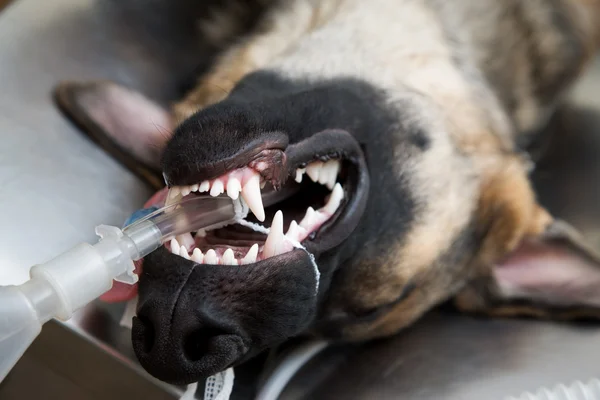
<point>63,285</point>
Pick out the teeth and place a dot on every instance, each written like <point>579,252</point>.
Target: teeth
<point>197,256</point>
<point>251,255</point>
<point>324,173</point>
<point>184,253</point>
<point>174,196</point>
<point>307,221</point>
<point>293,231</point>
<point>332,167</point>
<point>217,188</point>
<point>252,197</point>
<point>186,240</point>
<point>313,170</point>
<point>334,199</point>
<point>194,187</point>
<point>274,242</point>
<point>185,190</point>
<point>201,233</point>
<point>228,258</point>
<point>211,257</point>
<point>234,187</point>
<point>174,246</point>
<point>299,173</point>
<point>204,186</point>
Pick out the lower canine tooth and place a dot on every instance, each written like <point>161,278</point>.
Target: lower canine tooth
<point>251,255</point>
<point>274,242</point>
<point>211,257</point>
<point>217,188</point>
<point>228,258</point>
<point>197,256</point>
<point>334,199</point>
<point>313,170</point>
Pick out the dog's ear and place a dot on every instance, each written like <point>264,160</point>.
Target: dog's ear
<point>124,123</point>
<point>554,274</point>
<point>529,262</point>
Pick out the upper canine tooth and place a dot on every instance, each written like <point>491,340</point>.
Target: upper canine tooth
<point>325,173</point>
<point>228,258</point>
<point>250,257</point>
<point>211,257</point>
<point>234,187</point>
<point>252,197</point>
<point>204,186</point>
<point>313,170</point>
<point>274,242</point>
<point>217,188</point>
<point>337,194</point>
<point>197,256</point>
<point>333,167</point>
<point>299,173</point>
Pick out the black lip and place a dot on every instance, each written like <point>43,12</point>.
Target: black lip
<point>324,145</point>
<point>177,170</point>
<point>342,145</point>
<point>249,316</point>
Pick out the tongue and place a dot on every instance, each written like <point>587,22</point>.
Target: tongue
<point>122,291</point>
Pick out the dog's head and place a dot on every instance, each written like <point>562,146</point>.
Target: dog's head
<point>400,201</point>
<point>397,215</point>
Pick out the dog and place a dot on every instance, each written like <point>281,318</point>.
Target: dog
<point>404,128</point>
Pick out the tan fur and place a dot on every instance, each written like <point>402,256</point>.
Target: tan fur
<point>280,29</point>
<point>514,64</point>
<point>508,211</point>
<point>480,75</point>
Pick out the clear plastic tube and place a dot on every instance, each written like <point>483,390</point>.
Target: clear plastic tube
<point>576,391</point>
<point>189,215</point>
<point>61,286</point>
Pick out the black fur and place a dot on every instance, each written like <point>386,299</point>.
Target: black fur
<point>177,298</point>
<point>195,320</point>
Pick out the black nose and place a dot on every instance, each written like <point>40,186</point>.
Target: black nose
<point>181,346</point>
<point>196,320</point>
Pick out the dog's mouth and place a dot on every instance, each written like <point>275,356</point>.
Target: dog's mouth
<point>316,207</point>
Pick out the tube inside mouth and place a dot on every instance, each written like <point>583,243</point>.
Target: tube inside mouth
<point>318,199</point>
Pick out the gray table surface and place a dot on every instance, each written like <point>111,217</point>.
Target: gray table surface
<point>56,186</point>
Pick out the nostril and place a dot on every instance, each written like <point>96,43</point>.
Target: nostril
<point>145,332</point>
<point>197,344</point>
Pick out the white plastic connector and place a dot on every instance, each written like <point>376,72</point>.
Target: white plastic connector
<point>63,285</point>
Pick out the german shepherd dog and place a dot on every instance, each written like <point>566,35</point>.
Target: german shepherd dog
<point>402,130</point>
